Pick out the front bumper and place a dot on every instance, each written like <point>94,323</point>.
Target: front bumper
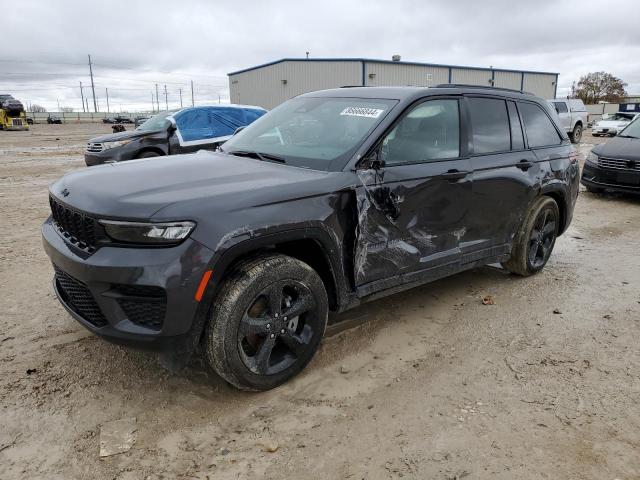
<point>101,290</point>
<point>612,179</point>
<point>117,154</point>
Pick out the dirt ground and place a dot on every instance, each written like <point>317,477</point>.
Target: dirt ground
<point>428,384</point>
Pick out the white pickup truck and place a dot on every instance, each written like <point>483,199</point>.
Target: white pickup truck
<point>573,116</point>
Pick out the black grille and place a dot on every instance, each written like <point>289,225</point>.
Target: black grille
<point>618,163</point>
<point>77,227</point>
<point>79,298</point>
<point>143,305</point>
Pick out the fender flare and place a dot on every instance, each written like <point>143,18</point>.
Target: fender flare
<point>220,262</point>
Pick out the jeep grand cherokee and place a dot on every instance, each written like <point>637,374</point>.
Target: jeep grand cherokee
<point>332,199</point>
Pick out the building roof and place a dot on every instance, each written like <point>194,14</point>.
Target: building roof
<point>373,60</point>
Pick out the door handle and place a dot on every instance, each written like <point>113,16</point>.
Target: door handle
<point>454,175</point>
<point>524,165</point>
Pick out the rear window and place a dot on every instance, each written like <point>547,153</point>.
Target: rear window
<point>561,107</point>
<point>540,130</point>
<point>490,124</point>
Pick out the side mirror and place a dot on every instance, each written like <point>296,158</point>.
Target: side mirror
<point>172,126</point>
<point>239,129</point>
<point>374,161</point>
<point>557,110</point>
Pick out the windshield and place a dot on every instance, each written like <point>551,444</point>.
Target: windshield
<point>618,117</point>
<point>631,130</point>
<point>312,132</point>
<point>156,123</point>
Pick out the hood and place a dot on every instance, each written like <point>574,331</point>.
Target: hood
<point>619,147</point>
<point>114,137</point>
<point>190,183</point>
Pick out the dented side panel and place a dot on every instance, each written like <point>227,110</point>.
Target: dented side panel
<point>410,218</point>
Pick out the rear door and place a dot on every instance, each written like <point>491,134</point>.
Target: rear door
<point>413,210</point>
<point>504,173</point>
<point>554,157</point>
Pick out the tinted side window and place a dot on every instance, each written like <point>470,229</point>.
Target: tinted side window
<point>430,131</point>
<point>490,125</point>
<point>561,107</point>
<point>540,130</point>
<point>517,141</point>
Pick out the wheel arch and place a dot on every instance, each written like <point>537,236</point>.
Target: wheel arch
<point>313,246</point>
<point>560,198</point>
<point>157,150</point>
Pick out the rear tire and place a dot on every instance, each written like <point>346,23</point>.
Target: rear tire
<point>266,322</point>
<point>576,135</point>
<point>534,241</point>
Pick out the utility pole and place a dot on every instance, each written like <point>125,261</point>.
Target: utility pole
<point>86,101</point>
<point>82,97</point>
<point>106,90</point>
<point>157,99</point>
<point>153,107</point>
<point>218,98</point>
<point>180,90</point>
<point>58,100</point>
<point>192,102</point>
<point>166,100</point>
<point>93,88</point>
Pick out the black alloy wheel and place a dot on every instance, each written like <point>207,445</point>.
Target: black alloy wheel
<point>266,322</point>
<point>542,238</point>
<point>277,328</point>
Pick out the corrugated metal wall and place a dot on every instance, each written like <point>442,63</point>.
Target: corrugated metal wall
<point>388,74</point>
<point>471,76</point>
<point>507,80</point>
<point>540,84</point>
<point>265,87</point>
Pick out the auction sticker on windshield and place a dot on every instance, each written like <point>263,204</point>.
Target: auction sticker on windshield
<point>362,112</point>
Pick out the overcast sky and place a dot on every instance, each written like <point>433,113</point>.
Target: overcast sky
<point>135,44</point>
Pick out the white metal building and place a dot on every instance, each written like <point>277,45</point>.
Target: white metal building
<point>272,83</point>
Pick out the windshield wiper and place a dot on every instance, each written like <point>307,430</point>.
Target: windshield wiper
<point>626,136</point>
<point>258,155</point>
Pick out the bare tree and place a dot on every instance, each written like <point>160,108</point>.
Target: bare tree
<point>596,86</point>
<point>35,108</point>
<point>66,109</point>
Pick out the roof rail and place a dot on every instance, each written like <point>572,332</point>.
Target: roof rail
<point>354,86</point>
<point>462,85</point>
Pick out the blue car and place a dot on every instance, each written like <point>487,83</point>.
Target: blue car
<point>168,133</point>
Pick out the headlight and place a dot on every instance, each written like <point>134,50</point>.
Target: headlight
<point>592,158</point>
<point>108,145</point>
<point>170,233</point>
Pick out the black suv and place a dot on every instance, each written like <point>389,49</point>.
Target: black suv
<point>332,199</point>
<point>616,164</point>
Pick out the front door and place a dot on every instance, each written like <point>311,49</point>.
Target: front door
<point>413,209</point>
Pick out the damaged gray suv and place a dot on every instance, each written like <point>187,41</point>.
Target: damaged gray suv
<point>332,199</point>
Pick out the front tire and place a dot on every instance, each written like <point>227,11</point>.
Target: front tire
<point>576,135</point>
<point>267,322</point>
<point>148,155</point>
<point>534,241</point>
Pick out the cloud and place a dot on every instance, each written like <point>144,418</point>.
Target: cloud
<point>137,44</point>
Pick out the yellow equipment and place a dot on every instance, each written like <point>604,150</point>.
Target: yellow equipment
<point>12,116</point>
